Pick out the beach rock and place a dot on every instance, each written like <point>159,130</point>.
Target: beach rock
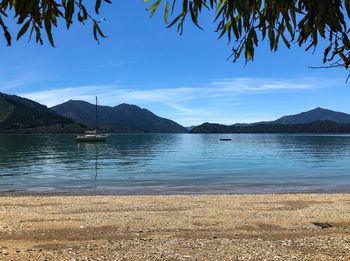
<point>322,225</point>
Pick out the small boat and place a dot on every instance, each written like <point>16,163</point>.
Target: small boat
<point>92,136</point>
<point>225,139</point>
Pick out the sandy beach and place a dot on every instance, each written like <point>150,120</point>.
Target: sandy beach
<point>223,227</point>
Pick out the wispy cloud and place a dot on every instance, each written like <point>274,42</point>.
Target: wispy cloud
<point>248,85</point>
<point>183,103</point>
<point>112,94</point>
<point>20,80</point>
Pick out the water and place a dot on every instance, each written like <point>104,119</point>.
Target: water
<point>175,164</point>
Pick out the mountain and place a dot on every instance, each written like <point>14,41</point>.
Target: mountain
<point>124,118</point>
<point>190,127</point>
<point>318,120</point>
<point>313,127</point>
<point>318,114</point>
<point>23,115</point>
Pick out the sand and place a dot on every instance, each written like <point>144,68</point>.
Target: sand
<point>223,227</point>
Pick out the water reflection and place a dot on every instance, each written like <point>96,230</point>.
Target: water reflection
<point>134,149</point>
<point>91,148</point>
<point>174,162</point>
<point>316,148</point>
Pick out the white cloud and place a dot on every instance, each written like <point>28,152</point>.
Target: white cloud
<point>249,85</point>
<point>20,80</point>
<point>187,104</point>
<point>56,96</point>
<point>114,94</point>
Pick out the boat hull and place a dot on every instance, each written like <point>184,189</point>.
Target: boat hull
<point>98,138</point>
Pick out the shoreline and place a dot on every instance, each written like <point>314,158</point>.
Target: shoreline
<point>107,194</point>
<point>176,227</point>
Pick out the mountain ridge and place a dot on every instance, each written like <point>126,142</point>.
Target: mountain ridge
<point>122,118</point>
<point>19,114</point>
<point>305,122</point>
<point>317,114</point>
<point>312,127</point>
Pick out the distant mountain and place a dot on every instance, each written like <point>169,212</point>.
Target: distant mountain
<point>213,128</point>
<point>318,120</point>
<point>123,118</point>
<point>23,115</point>
<point>190,128</point>
<point>313,127</point>
<point>318,114</point>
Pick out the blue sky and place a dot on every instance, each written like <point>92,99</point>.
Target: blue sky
<point>185,78</point>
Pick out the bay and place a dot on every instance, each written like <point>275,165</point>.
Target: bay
<point>175,164</point>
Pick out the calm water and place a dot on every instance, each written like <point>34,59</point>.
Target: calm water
<point>175,163</point>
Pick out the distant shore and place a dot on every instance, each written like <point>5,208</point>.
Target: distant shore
<point>185,227</point>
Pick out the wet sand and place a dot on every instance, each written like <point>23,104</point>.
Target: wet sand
<point>217,227</point>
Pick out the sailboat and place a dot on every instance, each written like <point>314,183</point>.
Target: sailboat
<point>92,136</point>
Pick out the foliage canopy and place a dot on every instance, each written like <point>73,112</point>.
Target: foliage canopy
<point>39,15</point>
<point>244,23</point>
<point>247,23</point>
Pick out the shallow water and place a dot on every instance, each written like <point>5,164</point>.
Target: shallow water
<point>175,164</point>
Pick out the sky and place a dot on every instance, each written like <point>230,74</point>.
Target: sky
<point>185,78</point>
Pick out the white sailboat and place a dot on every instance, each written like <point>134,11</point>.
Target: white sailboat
<point>92,136</point>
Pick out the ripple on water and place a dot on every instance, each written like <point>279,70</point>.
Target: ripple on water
<point>176,163</point>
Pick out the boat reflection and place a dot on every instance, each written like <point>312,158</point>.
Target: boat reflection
<point>93,150</point>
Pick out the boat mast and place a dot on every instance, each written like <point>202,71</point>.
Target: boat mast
<point>96,115</point>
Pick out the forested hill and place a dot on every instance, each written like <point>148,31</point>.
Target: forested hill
<point>123,118</point>
<point>18,115</point>
<point>318,120</point>
<point>317,114</point>
<point>313,127</point>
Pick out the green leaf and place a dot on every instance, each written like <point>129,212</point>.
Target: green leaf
<point>166,12</point>
<point>153,8</point>
<point>23,30</point>
<point>347,7</point>
<point>97,6</point>
<point>194,16</point>
<point>271,34</point>
<point>285,41</point>
<point>47,23</point>
<point>176,19</point>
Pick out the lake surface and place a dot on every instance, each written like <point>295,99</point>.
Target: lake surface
<point>175,164</point>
